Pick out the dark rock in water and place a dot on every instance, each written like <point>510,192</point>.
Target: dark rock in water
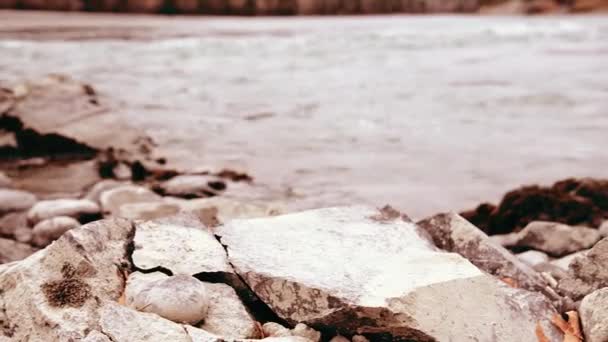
<point>571,201</point>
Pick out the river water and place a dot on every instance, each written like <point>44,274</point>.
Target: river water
<point>427,113</point>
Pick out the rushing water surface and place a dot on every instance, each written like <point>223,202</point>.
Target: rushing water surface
<point>427,113</point>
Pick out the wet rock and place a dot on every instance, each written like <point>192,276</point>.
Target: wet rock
<point>603,229</point>
<point>15,200</point>
<point>11,250</point>
<point>80,209</point>
<point>180,298</point>
<point>594,316</point>
<point>51,229</point>
<point>9,223</point>
<point>587,273</point>
<point>179,248</point>
<point>533,258</point>
<point>111,200</point>
<point>95,192</point>
<point>192,186</point>
<point>227,316</point>
<point>453,233</point>
<point>290,262</point>
<point>571,201</point>
<point>68,144</point>
<point>557,239</point>
<point>147,210</point>
<point>564,262</point>
<point>55,294</point>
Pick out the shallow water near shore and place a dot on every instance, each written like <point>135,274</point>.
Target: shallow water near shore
<point>427,113</point>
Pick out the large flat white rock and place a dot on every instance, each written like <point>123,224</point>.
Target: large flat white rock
<point>360,271</point>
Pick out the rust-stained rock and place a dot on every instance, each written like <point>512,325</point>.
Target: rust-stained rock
<point>55,294</point>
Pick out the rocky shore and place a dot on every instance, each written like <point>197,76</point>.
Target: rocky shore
<point>101,241</point>
<point>308,7</point>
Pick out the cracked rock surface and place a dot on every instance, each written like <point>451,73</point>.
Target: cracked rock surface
<point>178,248</point>
<point>395,280</point>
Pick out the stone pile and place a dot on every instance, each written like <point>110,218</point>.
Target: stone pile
<point>341,274</point>
<point>28,223</point>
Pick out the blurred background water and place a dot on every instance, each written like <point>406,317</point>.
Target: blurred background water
<point>427,113</point>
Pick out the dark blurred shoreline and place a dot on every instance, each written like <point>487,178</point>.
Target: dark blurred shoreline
<point>311,7</point>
